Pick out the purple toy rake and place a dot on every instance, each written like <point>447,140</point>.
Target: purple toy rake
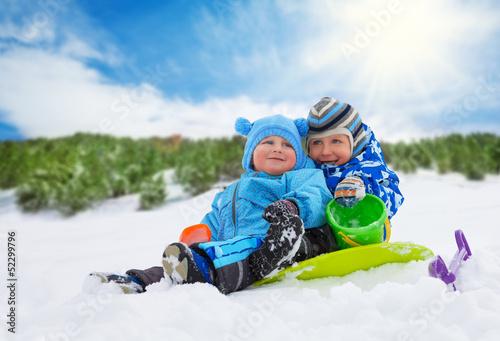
<point>438,269</point>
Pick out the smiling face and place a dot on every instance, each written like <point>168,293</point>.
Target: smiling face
<point>333,149</point>
<point>274,155</point>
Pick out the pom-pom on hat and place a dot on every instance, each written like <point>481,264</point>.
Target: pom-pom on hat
<point>331,117</point>
<point>291,130</point>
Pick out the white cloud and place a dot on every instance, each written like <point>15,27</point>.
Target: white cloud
<point>76,48</point>
<point>28,22</point>
<point>412,63</point>
<point>47,94</point>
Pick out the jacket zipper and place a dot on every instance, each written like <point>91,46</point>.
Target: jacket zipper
<point>234,209</point>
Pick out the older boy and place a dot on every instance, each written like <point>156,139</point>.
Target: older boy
<point>350,157</point>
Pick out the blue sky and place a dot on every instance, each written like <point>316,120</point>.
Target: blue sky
<point>154,68</point>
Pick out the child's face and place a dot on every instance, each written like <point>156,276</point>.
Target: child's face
<point>333,149</point>
<point>274,155</point>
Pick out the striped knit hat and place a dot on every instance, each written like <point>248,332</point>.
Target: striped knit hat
<point>330,117</point>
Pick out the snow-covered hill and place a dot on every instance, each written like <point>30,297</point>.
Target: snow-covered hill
<point>392,302</point>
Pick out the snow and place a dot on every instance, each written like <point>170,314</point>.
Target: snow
<point>391,302</point>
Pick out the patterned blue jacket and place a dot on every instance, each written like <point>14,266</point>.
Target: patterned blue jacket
<point>379,180</point>
<point>237,211</point>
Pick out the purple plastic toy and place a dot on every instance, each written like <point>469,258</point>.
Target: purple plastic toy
<point>438,269</point>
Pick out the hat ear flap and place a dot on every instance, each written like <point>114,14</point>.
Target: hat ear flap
<point>243,126</point>
<point>302,126</point>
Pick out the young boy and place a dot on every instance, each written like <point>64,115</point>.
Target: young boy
<point>256,224</point>
<point>350,157</point>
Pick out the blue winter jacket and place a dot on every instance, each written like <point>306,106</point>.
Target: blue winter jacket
<point>379,180</point>
<point>237,211</point>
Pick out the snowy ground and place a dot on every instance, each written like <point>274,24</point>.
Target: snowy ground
<point>392,302</point>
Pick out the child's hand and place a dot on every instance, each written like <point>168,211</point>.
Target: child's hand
<point>280,208</point>
<point>349,191</point>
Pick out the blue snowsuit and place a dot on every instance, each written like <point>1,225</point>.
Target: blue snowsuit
<point>236,220</point>
<point>378,179</point>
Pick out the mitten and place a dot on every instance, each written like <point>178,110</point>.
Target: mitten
<point>280,208</point>
<point>349,191</point>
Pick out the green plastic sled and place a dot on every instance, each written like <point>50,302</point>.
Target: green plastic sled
<point>343,262</point>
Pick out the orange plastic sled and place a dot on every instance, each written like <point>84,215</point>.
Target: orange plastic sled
<point>198,233</point>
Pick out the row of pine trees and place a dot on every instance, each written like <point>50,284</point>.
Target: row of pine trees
<point>474,155</point>
<point>74,173</point>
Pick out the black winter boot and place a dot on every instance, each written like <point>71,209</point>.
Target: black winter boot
<point>147,276</point>
<point>306,250</point>
<point>127,284</point>
<point>179,265</point>
<point>316,241</point>
<point>280,245</point>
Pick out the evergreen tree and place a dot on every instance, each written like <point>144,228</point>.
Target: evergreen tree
<point>153,193</point>
<point>73,173</point>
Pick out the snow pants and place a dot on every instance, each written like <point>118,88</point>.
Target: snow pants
<point>228,260</point>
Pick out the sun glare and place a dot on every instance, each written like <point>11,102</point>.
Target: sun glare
<point>406,51</point>
<point>411,45</point>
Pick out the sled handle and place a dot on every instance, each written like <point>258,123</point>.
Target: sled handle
<point>463,252</point>
<point>462,243</point>
<point>438,268</point>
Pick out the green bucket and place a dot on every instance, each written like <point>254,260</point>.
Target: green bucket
<point>364,224</point>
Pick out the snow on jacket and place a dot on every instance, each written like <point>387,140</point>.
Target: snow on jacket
<point>237,211</point>
<point>379,180</point>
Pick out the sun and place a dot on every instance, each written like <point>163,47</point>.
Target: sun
<point>404,50</point>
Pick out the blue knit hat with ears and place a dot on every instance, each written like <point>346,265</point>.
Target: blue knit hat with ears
<point>291,130</point>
